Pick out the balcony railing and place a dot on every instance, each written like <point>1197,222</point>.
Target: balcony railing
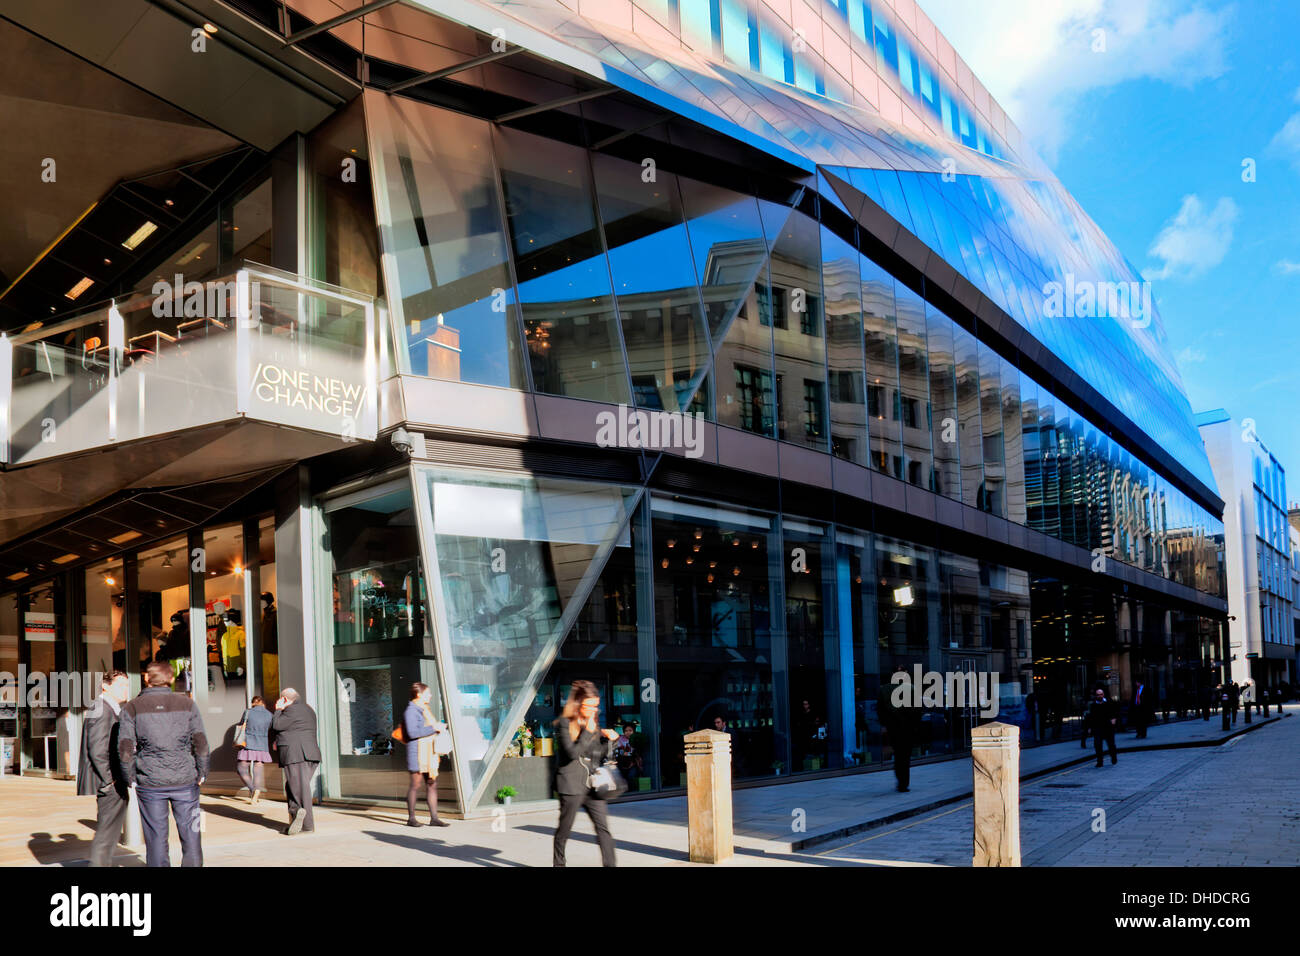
<point>256,343</point>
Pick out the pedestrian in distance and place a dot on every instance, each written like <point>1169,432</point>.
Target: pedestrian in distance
<point>581,748</point>
<point>901,721</point>
<point>99,767</point>
<point>420,730</point>
<point>1234,699</point>
<point>255,753</point>
<point>1102,718</point>
<point>293,736</point>
<point>1142,709</point>
<point>164,755</point>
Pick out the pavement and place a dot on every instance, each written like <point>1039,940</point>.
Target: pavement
<point>850,820</point>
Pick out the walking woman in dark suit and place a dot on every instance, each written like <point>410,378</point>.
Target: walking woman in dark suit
<point>419,727</point>
<point>581,748</point>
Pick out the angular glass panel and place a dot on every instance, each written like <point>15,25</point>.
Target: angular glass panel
<point>654,285</point>
<point>564,287</point>
<point>715,570</point>
<point>451,295</point>
<point>848,402</point>
<point>880,338</point>
<point>1049,452</point>
<point>516,559</point>
<point>968,417</point>
<point>1012,443</point>
<point>816,736</point>
<point>798,329</point>
<point>994,498</point>
<point>914,387</point>
<point>1031,452</point>
<point>726,232</point>
<point>946,434</point>
<point>602,647</point>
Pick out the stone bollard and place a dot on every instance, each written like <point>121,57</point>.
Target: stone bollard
<point>708,795</point>
<point>995,757</point>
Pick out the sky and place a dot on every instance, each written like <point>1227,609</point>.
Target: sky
<point>1177,128</point>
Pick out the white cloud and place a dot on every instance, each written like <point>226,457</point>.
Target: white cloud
<point>1287,267</point>
<point>1286,143</point>
<point>1190,356</point>
<point>1037,58</point>
<point>1193,241</point>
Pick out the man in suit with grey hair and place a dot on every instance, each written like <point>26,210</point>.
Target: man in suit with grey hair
<point>293,731</point>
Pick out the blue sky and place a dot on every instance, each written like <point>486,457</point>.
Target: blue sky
<point>1150,135</point>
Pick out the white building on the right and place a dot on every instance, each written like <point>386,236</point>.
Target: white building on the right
<point>1257,551</point>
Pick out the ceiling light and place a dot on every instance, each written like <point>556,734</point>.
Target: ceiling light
<point>139,236</point>
<point>110,580</point>
<point>192,254</point>
<point>66,558</point>
<point>36,325</point>
<point>16,576</point>
<point>167,559</point>
<point>124,537</point>
<point>209,28</point>
<point>79,288</point>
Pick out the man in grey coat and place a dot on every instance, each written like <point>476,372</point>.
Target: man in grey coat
<point>293,731</point>
<point>99,770</point>
<point>164,751</point>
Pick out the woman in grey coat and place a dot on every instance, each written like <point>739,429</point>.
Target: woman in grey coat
<point>257,749</point>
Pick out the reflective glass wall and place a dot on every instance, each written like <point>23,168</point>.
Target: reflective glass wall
<point>518,261</point>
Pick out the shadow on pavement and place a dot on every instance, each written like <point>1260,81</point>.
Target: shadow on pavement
<point>482,855</point>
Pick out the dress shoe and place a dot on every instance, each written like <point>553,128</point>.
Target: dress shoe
<point>296,826</point>
<point>438,822</point>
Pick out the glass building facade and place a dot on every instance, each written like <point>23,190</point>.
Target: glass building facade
<point>906,457</point>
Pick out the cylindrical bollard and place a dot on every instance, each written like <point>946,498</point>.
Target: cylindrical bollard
<point>708,796</point>
<point>995,758</point>
<point>132,831</point>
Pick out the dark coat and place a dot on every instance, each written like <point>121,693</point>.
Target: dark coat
<point>257,721</point>
<point>415,726</point>
<point>570,771</point>
<point>293,731</point>
<point>99,765</point>
<point>161,740</point>
<point>1100,715</point>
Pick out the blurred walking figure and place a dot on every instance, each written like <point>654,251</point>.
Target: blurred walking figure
<point>250,762</point>
<point>99,768</point>
<point>581,747</point>
<point>293,729</point>
<point>164,754</point>
<point>420,728</point>
<point>1142,709</point>
<point>1102,717</point>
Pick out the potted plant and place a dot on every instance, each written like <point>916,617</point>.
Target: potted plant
<point>506,794</point>
<point>778,766</point>
<point>524,740</point>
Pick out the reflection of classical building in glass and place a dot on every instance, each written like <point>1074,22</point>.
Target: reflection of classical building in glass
<point>838,256</point>
<point>1257,551</point>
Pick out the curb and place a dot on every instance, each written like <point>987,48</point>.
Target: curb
<point>815,839</point>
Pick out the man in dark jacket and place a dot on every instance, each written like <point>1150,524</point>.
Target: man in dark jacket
<point>99,770</point>
<point>1102,717</point>
<point>901,719</point>
<point>164,753</point>
<point>293,737</point>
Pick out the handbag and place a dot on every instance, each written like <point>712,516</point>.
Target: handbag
<point>398,734</point>
<point>441,743</point>
<point>241,735</point>
<point>605,782</point>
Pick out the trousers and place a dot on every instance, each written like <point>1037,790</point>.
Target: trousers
<point>597,810</point>
<point>184,804</point>
<point>297,790</point>
<point>110,812</point>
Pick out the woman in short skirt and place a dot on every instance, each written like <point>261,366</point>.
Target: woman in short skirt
<point>257,749</point>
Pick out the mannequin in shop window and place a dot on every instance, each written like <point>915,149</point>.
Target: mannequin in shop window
<point>233,643</point>
<point>270,647</point>
<point>175,650</point>
<point>216,629</point>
